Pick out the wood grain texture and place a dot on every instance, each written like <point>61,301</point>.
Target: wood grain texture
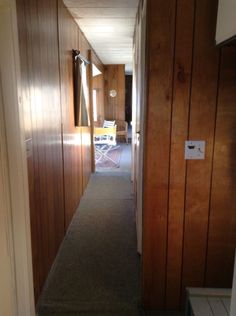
<point>222,230</point>
<point>40,77</point>
<point>59,155</point>
<point>180,117</point>
<point>115,80</point>
<point>86,155</point>
<point>69,37</point>
<point>161,29</point>
<point>189,213</point>
<point>201,127</point>
<point>76,143</point>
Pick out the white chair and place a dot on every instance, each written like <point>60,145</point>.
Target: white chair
<point>108,123</point>
<point>105,142</point>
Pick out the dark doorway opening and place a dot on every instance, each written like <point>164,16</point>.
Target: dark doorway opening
<point>128,98</point>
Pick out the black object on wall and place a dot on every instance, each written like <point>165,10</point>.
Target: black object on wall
<point>128,98</point>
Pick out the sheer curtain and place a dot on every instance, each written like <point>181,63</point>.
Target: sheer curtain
<point>81,95</point>
<point>84,118</point>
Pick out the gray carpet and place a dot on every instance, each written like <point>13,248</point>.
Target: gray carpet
<point>109,185</point>
<point>97,268</point>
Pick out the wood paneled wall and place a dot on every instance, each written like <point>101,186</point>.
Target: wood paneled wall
<point>222,224</point>
<point>189,233</point>
<point>59,155</point>
<point>76,143</point>
<point>115,80</point>
<point>72,136</point>
<point>41,101</point>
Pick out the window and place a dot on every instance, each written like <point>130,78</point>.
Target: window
<point>95,113</point>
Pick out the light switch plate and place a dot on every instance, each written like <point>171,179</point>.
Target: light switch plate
<point>195,149</point>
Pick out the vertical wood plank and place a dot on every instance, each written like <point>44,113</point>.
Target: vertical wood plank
<point>27,45</point>
<point>86,155</point>
<point>115,80</point>
<point>23,18</point>
<point>160,34</point>
<point>121,93</point>
<point>40,74</point>
<point>50,133</point>
<point>222,230</point>
<point>201,127</point>
<point>45,31</point>
<point>181,100</point>
<point>69,38</point>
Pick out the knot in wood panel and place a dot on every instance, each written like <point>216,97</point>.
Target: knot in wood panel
<point>181,76</point>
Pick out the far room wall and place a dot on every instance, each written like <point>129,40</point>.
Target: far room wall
<point>115,80</point>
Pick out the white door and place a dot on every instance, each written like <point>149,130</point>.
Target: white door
<point>138,118</point>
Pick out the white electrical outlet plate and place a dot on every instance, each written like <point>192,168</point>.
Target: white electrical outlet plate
<point>195,149</point>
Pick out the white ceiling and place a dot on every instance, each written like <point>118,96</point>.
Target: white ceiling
<point>109,27</point>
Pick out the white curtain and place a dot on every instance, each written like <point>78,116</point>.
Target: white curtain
<point>84,96</point>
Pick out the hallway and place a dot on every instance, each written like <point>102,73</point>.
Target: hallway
<point>97,267</point>
<point>184,90</point>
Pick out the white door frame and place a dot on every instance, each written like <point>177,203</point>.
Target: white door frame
<point>138,131</point>
<point>7,268</point>
<point>14,186</point>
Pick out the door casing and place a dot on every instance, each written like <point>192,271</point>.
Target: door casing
<point>15,238</point>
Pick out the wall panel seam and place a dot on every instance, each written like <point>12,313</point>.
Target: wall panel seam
<point>170,142</point>
<point>212,163</point>
<point>186,163</point>
<point>62,129</point>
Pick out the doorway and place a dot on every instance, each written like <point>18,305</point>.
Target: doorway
<point>111,101</point>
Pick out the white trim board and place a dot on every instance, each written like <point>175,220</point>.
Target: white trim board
<point>18,225</point>
<point>7,269</point>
